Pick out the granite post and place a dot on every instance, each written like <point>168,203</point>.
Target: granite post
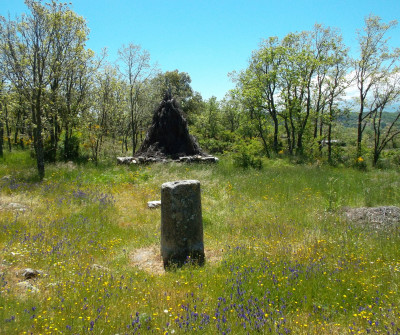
<point>181,223</point>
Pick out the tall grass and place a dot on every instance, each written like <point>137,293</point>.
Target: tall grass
<point>282,259</point>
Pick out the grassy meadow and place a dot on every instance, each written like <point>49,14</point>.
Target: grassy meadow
<point>281,258</point>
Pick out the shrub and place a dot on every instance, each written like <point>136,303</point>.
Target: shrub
<point>245,160</point>
<point>248,154</point>
<point>70,148</point>
<point>360,164</point>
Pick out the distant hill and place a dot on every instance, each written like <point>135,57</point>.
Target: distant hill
<point>350,120</point>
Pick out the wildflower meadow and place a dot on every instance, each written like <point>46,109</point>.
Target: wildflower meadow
<point>281,258</point>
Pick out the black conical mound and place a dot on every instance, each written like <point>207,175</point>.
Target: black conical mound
<point>168,135</point>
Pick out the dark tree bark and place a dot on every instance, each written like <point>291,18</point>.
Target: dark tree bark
<point>8,130</point>
<point>1,138</point>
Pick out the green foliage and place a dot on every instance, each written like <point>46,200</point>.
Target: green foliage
<point>245,160</point>
<point>247,154</point>
<point>70,149</point>
<point>360,164</point>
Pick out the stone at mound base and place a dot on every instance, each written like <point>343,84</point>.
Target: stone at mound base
<point>126,160</point>
<point>181,223</point>
<point>154,204</point>
<point>183,159</point>
<point>377,216</point>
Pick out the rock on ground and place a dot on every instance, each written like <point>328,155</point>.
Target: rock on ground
<point>28,286</point>
<point>154,204</point>
<point>29,273</point>
<point>377,216</point>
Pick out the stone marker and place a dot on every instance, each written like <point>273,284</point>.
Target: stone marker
<point>181,223</point>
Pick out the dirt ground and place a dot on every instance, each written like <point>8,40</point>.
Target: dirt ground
<point>149,259</point>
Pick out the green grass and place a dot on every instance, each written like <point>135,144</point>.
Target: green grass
<point>281,256</point>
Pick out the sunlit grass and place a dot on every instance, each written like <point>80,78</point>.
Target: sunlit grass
<point>287,260</point>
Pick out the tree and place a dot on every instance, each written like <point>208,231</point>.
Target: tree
<point>1,117</point>
<point>289,81</point>
<point>260,85</point>
<point>385,95</point>
<point>68,60</point>
<point>209,121</point>
<point>330,81</point>
<point>231,109</point>
<point>375,64</point>
<point>135,67</point>
<point>34,54</point>
<point>102,117</point>
<point>76,94</point>
<point>178,83</point>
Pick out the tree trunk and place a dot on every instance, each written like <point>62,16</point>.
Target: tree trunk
<point>315,128</point>
<point>299,148</point>
<point>17,125</point>
<point>51,156</point>
<point>66,143</point>
<point>8,130</point>
<point>38,143</point>
<point>134,142</point>
<point>359,127</point>
<point>289,142</point>
<point>377,154</point>
<point>276,131</point>
<point>330,132</point>
<point>265,144</point>
<point>330,143</point>
<point>321,130</point>
<point>1,138</point>
<point>37,134</point>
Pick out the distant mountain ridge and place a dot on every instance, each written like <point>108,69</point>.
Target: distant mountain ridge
<point>350,120</point>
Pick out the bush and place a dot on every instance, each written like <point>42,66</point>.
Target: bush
<point>245,160</point>
<point>214,146</point>
<point>360,164</point>
<point>248,154</point>
<point>70,149</point>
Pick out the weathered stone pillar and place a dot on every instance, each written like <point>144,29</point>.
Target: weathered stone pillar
<point>181,223</point>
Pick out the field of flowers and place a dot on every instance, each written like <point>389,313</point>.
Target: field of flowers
<point>282,257</point>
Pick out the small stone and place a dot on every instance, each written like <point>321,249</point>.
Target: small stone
<point>16,206</point>
<point>154,204</point>
<point>29,273</point>
<point>185,159</point>
<point>210,159</point>
<point>124,160</point>
<point>100,268</point>
<point>28,286</point>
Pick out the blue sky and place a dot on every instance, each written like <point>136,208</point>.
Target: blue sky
<point>209,39</point>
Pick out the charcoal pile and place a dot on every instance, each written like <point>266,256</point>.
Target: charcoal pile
<point>168,138</point>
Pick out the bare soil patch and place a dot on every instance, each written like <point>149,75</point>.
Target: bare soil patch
<point>149,259</point>
<point>14,203</point>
